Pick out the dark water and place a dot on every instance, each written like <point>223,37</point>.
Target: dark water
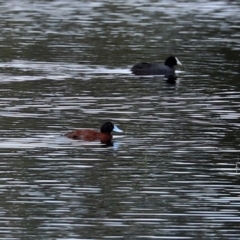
<point>171,174</point>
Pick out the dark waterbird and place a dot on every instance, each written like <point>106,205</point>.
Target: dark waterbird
<point>104,136</point>
<point>167,69</point>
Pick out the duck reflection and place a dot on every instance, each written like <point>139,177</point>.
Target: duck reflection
<point>114,144</point>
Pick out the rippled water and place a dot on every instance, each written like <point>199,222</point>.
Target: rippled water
<point>171,174</point>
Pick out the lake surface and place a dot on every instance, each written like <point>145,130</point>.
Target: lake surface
<point>171,174</point>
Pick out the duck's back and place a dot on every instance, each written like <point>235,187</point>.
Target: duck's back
<point>84,134</point>
<point>144,68</point>
<point>89,135</point>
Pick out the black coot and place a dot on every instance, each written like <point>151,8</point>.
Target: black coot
<point>167,69</point>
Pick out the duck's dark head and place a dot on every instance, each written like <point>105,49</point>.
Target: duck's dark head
<point>172,61</point>
<point>108,127</point>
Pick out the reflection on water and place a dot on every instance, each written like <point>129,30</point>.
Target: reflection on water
<point>172,173</point>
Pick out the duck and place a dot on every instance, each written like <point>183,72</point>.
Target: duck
<point>104,136</point>
<point>167,69</point>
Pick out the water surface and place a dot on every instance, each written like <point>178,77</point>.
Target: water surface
<point>171,174</point>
